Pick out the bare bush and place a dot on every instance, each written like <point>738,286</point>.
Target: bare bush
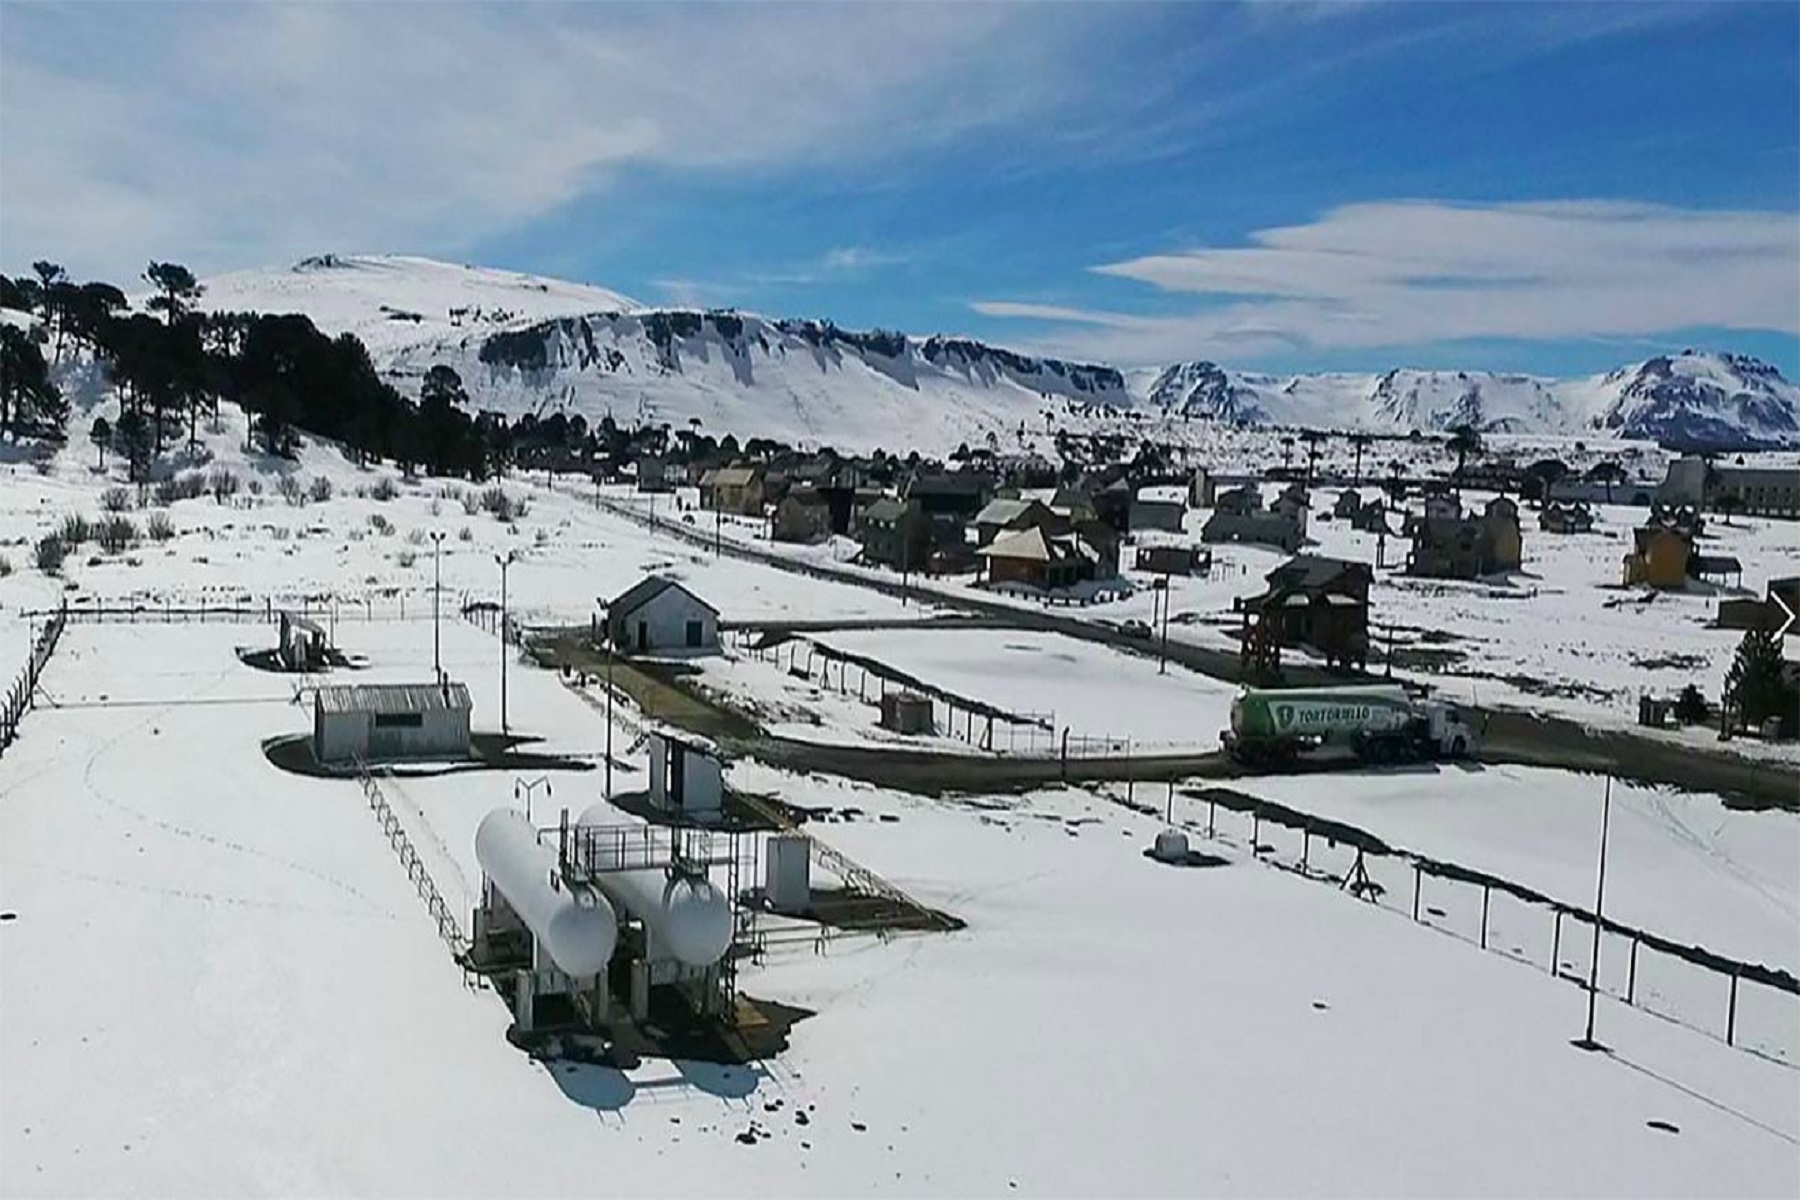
<point>289,489</point>
<point>115,533</point>
<point>75,530</point>
<point>116,500</point>
<point>319,491</point>
<point>471,503</point>
<point>223,483</point>
<point>406,558</point>
<point>504,507</point>
<point>6,567</point>
<point>383,489</point>
<point>159,527</point>
<point>49,553</point>
<point>465,534</point>
<point>381,525</point>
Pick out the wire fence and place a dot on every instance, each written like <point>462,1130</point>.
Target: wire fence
<point>241,610</point>
<point>24,688</point>
<point>1747,1005</point>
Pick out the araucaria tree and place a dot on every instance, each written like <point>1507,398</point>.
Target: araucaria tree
<point>177,290</point>
<point>29,401</point>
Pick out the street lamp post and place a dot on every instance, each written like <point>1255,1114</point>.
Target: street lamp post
<point>602,643</point>
<point>504,562</point>
<point>525,790</point>
<point>1587,1041</point>
<point>437,589</point>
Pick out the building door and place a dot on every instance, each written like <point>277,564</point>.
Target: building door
<point>643,636</point>
<point>694,632</point>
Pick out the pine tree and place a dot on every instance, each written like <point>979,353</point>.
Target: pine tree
<point>101,435</point>
<point>1753,684</point>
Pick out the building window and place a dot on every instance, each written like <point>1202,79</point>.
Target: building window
<point>409,720</point>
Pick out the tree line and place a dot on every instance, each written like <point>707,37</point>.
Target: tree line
<point>172,365</point>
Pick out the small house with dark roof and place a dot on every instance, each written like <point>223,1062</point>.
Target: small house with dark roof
<point>804,515</point>
<point>1318,602</point>
<point>893,535</point>
<point>659,615</point>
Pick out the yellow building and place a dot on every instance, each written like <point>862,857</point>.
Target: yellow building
<point>1659,557</point>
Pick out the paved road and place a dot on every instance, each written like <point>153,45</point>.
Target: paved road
<point>1511,736</point>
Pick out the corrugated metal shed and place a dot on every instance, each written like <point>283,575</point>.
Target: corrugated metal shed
<point>393,698</point>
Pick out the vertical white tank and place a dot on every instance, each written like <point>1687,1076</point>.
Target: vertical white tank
<point>688,920</point>
<point>577,927</point>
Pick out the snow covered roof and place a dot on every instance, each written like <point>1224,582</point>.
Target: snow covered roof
<point>999,512</point>
<point>1163,493</point>
<point>1022,543</point>
<point>391,697</point>
<point>731,476</point>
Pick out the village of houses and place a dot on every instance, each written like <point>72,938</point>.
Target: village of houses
<point>1601,594</point>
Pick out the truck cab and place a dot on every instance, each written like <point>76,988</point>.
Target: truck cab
<point>1450,733</point>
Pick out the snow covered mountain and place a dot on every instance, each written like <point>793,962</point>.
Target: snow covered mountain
<point>1696,397</point>
<point>523,344</point>
<point>526,344</point>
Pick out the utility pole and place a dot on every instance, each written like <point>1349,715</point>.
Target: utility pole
<point>603,645</point>
<point>437,588</point>
<point>1162,657</point>
<point>505,561</point>
<point>1587,1041</point>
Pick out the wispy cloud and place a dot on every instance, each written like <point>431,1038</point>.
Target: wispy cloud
<point>1402,273</point>
<point>239,134</point>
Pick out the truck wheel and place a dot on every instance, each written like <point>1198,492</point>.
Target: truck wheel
<point>1458,748</point>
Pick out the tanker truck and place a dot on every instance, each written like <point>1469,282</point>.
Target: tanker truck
<point>1378,723</point>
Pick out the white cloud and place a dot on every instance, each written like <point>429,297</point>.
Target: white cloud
<point>1408,273</point>
<point>232,135</point>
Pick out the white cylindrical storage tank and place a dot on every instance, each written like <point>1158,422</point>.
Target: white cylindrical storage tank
<point>577,927</point>
<point>688,920</point>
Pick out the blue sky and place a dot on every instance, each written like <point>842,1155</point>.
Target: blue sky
<point>1547,188</point>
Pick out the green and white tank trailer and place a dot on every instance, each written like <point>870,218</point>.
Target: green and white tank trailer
<point>1373,722</point>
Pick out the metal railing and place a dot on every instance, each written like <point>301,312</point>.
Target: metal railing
<point>449,929</point>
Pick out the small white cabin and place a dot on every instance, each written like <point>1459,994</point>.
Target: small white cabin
<point>659,615</point>
<point>391,721</point>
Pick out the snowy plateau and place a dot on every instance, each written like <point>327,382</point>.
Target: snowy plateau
<point>526,344</point>
<point>219,977</point>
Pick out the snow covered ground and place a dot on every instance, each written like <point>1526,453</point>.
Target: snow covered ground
<point>220,982</point>
<point>1091,690</point>
<point>1679,864</point>
<point>1560,635</point>
<point>217,980</point>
